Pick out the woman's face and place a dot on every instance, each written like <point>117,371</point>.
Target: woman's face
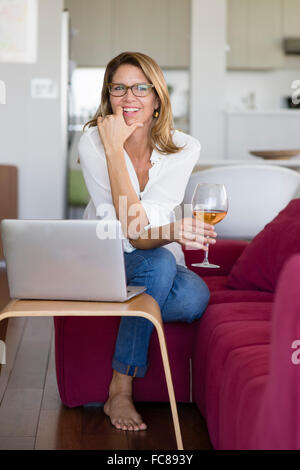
<point>143,106</point>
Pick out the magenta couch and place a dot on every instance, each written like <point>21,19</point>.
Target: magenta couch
<point>235,362</point>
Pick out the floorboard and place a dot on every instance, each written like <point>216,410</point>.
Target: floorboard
<point>14,333</point>
<point>160,432</point>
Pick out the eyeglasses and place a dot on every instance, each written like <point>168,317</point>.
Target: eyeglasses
<point>138,89</point>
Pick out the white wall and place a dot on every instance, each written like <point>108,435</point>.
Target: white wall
<point>30,129</point>
<point>208,39</point>
<point>268,86</point>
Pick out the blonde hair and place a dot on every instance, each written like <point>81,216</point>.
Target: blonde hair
<point>162,126</point>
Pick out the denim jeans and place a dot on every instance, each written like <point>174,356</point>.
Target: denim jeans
<point>181,294</point>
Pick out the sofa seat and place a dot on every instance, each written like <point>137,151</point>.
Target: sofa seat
<point>220,293</point>
<point>224,331</point>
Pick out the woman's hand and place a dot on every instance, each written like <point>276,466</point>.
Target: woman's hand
<point>114,131</point>
<point>194,234</point>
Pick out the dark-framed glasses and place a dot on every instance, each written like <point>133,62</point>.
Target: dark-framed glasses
<point>138,89</point>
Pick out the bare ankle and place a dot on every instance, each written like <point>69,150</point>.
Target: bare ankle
<point>120,383</point>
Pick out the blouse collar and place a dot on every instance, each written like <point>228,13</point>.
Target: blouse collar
<point>156,157</point>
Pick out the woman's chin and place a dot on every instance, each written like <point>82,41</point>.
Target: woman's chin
<point>131,120</point>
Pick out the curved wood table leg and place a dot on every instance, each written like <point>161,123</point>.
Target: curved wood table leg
<point>142,306</point>
<point>166,363</point>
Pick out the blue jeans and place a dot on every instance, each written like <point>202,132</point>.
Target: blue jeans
<point>181,294</point>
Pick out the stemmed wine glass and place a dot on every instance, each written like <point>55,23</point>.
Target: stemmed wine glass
<point>210,205</point>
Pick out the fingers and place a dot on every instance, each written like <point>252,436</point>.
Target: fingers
<point>199,228</point>
<point>134,126</point>
<point>193,240</point>
<point>195,234</point>
<point>101,119</point>
<point>108,117</point>
<point>192,245</point>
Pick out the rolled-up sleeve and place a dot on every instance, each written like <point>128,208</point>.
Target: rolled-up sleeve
<point>94,169</point>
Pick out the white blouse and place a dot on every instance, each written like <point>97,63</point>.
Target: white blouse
<point>163,192</point>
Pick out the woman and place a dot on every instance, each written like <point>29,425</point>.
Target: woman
<point>134,163</point>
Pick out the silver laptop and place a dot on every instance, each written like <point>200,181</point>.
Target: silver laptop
<point>66,260</point>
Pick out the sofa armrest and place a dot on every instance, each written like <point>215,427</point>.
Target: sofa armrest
<point>224,253</point>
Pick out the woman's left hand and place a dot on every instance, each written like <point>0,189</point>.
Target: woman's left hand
<point>194,234</point>
<point>114,131</point>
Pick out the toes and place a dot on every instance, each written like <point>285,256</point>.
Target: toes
<point>140,423</point>
<point>133,426</point>
<point>129,425</point>
<point>125,424</point>
<point>117,423</point>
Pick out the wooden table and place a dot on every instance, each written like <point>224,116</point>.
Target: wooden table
<point>142,305</point>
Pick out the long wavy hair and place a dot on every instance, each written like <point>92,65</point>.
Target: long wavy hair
<point>162,126</point>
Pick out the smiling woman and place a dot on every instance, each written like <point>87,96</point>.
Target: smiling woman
<point>131,154</point>
<point>148,69</point>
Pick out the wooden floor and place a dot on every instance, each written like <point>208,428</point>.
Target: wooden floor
<point>33,417</point>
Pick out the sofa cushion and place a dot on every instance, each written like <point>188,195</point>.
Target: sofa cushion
<point>260,263</point>
<point>221,293</point>
<point>218,320</point>
<point>239,401</point>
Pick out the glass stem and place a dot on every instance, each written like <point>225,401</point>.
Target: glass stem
<point>206,255</point>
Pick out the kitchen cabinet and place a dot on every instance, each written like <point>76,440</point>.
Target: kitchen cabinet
<point>291,15</point>
<point>178,25</point>
<point>254,34</point>
<point>91,41</point>
<point>104,28</point>
<point>237,33</point>
<point>138,27</point>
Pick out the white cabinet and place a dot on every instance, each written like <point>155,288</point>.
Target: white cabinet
<point>237,36</point>
<point>159,28</point>
<point>265,34</point>
<point>291,16</point>
<point>91,41</point>
<point>178,27</point>
<point>254,34</point>
<point>138,27</point>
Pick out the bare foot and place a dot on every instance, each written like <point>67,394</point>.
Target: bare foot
<point>119,406</point>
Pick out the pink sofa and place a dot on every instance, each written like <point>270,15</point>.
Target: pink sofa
<point>244,380</point>
<point>235,362</point>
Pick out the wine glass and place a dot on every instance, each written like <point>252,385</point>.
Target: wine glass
<point>210,205</point>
